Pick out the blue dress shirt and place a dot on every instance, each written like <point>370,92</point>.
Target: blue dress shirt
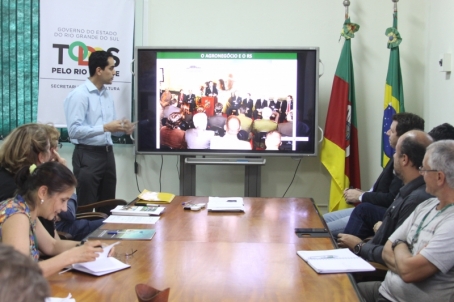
<point>87,109</point>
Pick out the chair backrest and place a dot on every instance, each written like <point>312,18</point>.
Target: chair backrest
<point>104,203</point>
<point>146,293</point>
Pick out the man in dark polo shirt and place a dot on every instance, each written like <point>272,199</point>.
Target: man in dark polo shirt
<point>410,150</point>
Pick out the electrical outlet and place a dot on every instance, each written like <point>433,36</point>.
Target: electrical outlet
<point>445,62</point>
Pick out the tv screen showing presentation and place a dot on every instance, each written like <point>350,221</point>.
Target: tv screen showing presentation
<point>238,102</point>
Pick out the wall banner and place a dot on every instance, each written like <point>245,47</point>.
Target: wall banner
<point>69,32</point>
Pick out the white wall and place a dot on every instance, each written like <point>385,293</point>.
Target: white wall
<point>287,23</point>
<point>439,37</point>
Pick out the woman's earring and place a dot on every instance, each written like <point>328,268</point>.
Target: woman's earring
<point>42,200</point>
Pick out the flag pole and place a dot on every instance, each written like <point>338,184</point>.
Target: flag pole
<point>395,10</point>
<point>395,5</point>
<point>346,4</point>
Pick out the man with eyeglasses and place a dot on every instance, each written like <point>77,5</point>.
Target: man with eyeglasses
<point>419,253</point>
<point>410,150</point>
<point>363,220</point>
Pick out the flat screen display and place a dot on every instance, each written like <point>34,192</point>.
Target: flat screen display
<point>239,102</point>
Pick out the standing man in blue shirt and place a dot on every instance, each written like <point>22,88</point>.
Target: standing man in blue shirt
<point>91,120</point>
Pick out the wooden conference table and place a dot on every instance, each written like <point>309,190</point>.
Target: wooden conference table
<point>205,256</point>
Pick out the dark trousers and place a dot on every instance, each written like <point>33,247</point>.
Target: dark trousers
<point>369,291</point>
<point>363,218</point>
<point>79,228</point>
<point>94,168</point>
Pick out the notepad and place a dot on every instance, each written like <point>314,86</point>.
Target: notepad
<point>225,204</point>
<point>154,197</point>
<point>137,211</point>
<point>103,264</point>
<point>335,261</point>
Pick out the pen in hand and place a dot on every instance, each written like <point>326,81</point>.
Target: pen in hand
<point>65,270</point>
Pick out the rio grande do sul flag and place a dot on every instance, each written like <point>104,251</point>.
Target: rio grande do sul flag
<point>339,153</point>
<point>394,90</point>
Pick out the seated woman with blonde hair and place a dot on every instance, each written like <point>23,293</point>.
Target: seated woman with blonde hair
<point>36,144</point>
<point>43,191</point>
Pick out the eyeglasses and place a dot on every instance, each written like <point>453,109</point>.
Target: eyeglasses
<point>124,253</point>
<point>422,171</point>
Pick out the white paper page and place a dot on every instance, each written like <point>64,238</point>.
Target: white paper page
<point>340,265</point>
<point>131,219</point>
<point>137,210</point>
<point>334,261</point>
<point>102,255</point>
<point>337,253</point>
<point>109,264</point>
<point>67,299</point>
<point>105,251</point>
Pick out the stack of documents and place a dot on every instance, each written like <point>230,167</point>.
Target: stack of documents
<point>335,261</point>
<point>138,210</point>
<point>146,197</point>
<point>225,204</point>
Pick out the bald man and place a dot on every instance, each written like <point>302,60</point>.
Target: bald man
<point>230,140</point>
<point>273,140</point>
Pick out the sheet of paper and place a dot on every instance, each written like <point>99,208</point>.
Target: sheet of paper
<point>131,219</point>
<point>102,255</point>
<point>138,210</point>
<point>55,299</point>
<point>337,253</point>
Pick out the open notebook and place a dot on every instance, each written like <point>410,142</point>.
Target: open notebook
<point>103,264</point>
<point>335,261</point>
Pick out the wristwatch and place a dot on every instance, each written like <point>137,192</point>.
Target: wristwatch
<point>357,248</point>
<point>397,242</point>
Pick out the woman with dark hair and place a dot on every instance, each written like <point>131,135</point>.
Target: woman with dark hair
<point>171,135</point>
<point>43,191</point>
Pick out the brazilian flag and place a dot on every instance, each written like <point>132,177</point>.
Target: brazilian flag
<point>394,91</point>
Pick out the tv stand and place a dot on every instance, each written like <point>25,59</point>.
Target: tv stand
<point>252,172</point>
